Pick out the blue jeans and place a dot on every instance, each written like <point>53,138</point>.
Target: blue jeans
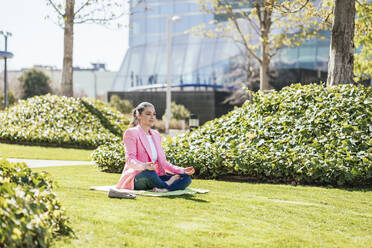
<point>150,179</point>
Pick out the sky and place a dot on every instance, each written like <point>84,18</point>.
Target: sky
<point>38,41</point>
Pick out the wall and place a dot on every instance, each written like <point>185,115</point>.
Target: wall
<point>207,105</point>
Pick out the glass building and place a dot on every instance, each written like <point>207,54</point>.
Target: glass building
<point>197,61</point>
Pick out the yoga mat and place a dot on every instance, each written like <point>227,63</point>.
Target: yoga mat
<point>150,193</point>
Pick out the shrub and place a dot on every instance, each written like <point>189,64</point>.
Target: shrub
<point>159,126</point>
<point>110,157</point>
<point>11,99</point>
<point>109,118</point>
<point>30,214</point>
<point>173,124</point>
<point>303,134</point>
<point>61,121</point>
<point>178,112</point>
<point>35,83</point>
<point>123,106</point>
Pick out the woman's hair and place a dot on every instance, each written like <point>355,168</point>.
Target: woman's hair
<point>138,110</point>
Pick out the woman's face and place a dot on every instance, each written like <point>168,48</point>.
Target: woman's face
<point>148,117</point>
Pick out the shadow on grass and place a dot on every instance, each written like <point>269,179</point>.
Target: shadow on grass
<point>187,197</point>
<point>240,179</point>
<point>360,189</point>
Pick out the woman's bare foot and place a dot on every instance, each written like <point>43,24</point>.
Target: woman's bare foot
<point>159,190</point>
<point>173,179</point>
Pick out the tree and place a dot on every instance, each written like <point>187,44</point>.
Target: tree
<point>344,46</point>
<point>263,27</point>
<point>363,41</point>
<point>341,57</point>
<point>35,83</point>
<point>70,12</point>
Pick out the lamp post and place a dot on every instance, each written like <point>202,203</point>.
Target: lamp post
<point>96,67</point>
<point>95,83</point>
<point>168,93</point>
<point>6,35</point>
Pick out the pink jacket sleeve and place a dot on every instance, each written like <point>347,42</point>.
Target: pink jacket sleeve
<point>131,152</point>
<point>173,169</point>
<point>168,166</point>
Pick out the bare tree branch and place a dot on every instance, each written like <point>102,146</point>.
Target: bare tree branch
<point>289,11</point>
<point>259,14</point>
<point>244,14</point>
<point>275,52</point>
<point>329,14</point>
<point>245,42</point>
<point>364,6</point>
<point>253,24</point>
<point>56,8</point>
<point>82,6</point>
<point>58,23</point>
<point>99,20</point>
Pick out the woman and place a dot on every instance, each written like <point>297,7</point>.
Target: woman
<point>146,165</point>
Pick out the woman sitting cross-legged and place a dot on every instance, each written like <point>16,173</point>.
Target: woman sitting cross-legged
<point>146,165</point>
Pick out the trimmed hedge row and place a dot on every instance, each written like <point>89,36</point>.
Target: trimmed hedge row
<point>61,121</point>
<point>303,134</point>
<point>30,215</point>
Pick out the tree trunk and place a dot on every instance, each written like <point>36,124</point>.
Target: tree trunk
<point>265,25</point>
<point>67,70</point>
<point>341,57</point>
<point>264,65</point>
<point>264,78</point>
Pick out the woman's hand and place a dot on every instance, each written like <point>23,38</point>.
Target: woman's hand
<point>189,170</point>
<point>150,166</point>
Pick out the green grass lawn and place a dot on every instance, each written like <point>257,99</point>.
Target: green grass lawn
<point>40,152</point>
<point>231,215</point>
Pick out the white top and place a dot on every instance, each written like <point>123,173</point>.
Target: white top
<point>154,154</point>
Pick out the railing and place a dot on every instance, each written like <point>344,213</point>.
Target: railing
<point>163,86</point>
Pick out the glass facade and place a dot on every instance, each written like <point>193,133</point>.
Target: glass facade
<point>196,61</point>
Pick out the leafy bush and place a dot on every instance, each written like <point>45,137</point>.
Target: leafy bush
<point>178,112</point>
<point>11,99</point>
<point>110,157</point>
<point>303,134</point>
<point>173,124</point>
<point>123,106</point>
<point>109,118</point>
<point>61,121</point>
<point>30,215</point>
<point>35,83</point>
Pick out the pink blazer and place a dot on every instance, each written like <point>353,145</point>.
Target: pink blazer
<point>137,153</point>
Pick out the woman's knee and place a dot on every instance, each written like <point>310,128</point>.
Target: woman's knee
<point>187,178</point>
<point>149,173</point>
<point>154,178</point>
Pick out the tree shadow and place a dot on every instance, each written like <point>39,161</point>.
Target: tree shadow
<point>351,189</point>
<point>364,188</point>
<point>190,197</point>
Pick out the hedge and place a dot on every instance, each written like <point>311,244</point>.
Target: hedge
<point>110,157</point>
<point>302,134</point>
<point>30,214</point>
<point>61,121</point>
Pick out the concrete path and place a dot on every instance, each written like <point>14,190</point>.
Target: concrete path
<point>34,163</point>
